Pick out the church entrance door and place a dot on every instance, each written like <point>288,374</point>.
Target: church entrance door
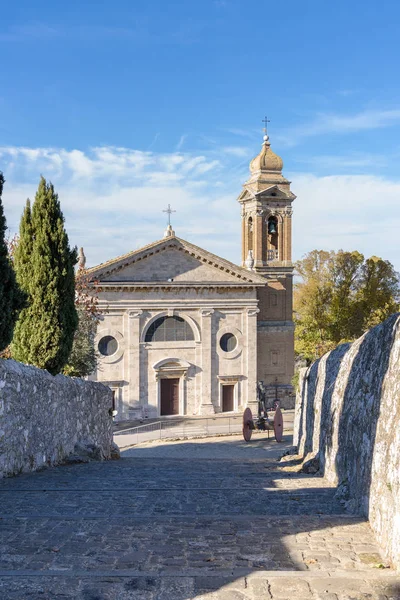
<point>227,398</point>
<point>169,396</point>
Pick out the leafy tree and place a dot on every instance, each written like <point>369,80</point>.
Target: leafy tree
<point>83,358</point>
<point>12,298</point>
<point>344,279</point>
<point>378,296</point>
<point>312,298</point>
<point>339,297</point>
<point>44,265</point>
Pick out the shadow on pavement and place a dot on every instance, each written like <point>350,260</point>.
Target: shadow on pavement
<point>178,521</point>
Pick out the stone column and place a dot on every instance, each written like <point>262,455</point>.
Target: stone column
<point>258,238</point>
<point>134,359</point>
<point>252,359</point>
<point>207,406</point>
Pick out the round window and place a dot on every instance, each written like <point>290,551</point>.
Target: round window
<point>108,345</point>
<point>228,342</point>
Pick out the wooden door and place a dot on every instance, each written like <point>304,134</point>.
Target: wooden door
<point>228,398</point>
<point>169,396</point>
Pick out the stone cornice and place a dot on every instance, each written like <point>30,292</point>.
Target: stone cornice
<point>187,285</point>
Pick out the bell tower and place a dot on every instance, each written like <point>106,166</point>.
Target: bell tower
<point>266,211</point>
<point>266,214</point>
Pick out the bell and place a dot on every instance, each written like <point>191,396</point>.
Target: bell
<point>271,227</point>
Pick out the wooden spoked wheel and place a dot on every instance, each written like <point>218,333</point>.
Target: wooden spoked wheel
<point>247,424</point>
<point>278,424</point>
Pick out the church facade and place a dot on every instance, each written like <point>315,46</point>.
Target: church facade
<point>186,332</point>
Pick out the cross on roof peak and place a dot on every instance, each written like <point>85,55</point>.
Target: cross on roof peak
<point>169,211</point>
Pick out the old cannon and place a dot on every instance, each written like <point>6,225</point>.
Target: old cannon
<point>264,422</point>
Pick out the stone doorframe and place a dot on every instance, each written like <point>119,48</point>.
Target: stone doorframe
<point>229,380</point>
<point>172,368</point>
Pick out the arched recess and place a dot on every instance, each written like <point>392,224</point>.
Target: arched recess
<point>274,224</point>
<point>176,313</point>
<point>250,235</point>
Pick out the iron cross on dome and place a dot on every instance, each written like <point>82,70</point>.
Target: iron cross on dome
<point>169,211</point>
<point>266,121</point>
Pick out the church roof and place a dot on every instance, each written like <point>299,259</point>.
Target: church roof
<point>232,272</point>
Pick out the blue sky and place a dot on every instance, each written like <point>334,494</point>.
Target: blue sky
<point>129,105</point>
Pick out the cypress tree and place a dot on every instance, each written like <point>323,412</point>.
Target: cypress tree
<point>44,264</point>
<point>12,299</point>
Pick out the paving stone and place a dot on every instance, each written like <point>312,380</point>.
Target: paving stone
<point>150,528</point>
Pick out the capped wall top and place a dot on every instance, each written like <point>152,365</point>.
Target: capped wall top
<point>267,160</point>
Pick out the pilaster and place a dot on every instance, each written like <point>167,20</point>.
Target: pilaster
<point>281,237</point>
<point>244,237</point>
<point>252,402</point>
<point>134,358</point>
<point>288,237</point>
<point>207,407</point>
<point>259,241</point>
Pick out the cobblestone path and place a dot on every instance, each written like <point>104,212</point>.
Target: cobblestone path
<point>213,519</point>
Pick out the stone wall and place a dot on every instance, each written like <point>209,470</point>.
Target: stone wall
<point>347,422</point>
<point>42,417</point>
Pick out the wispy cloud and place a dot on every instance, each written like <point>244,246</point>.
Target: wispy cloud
<point>116,189</point>
<point>124,164</point>
<point>29,31</point>
<point>246,133</point>
<point>239,151</point>
<point>350,161</point>
<point>113,200</point>
<point>328,123</point>
<point>141,31</point>
<point>344,211</point>
<point>181,142</point>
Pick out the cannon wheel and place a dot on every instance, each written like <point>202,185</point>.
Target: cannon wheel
<point>278,424</point>
<point>247,423</point>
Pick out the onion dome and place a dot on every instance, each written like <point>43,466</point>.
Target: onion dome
<point>267,160</point>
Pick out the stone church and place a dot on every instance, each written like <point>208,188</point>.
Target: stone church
<point>189,333</point>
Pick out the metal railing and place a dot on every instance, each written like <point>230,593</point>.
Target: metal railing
<point>183,428</point>
<point>175,429</point>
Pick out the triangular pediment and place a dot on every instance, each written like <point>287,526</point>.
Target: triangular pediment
<point>276,192</point>
<point>172,261</point>
<point>246,195</point>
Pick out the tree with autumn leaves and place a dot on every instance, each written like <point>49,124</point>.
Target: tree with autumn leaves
<point>340,295</point>
<point>83,358</point>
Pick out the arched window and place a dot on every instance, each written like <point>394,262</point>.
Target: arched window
<point>272,246</point>
<point>250,234</point>
<point>169,329</point>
